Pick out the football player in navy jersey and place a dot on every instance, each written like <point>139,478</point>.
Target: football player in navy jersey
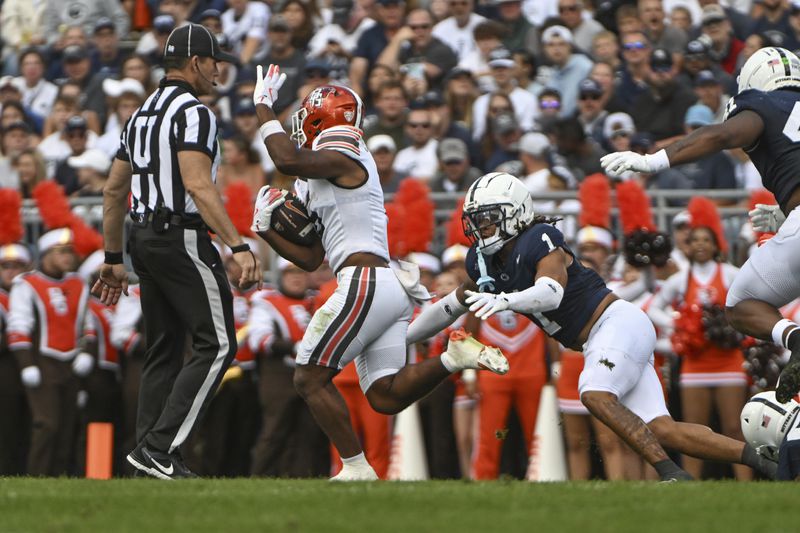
<point>519,261</point>
<point>773,429</point>
<point>764,120</point>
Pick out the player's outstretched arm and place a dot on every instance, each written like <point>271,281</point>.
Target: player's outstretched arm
<point>740,131</point>
<point>440,314</point>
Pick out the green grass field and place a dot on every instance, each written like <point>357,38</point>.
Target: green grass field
<point>151,506</point>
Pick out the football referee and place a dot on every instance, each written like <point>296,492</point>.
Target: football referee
<point>168,158</point>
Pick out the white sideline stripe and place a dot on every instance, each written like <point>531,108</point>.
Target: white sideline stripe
<point>215,302</point>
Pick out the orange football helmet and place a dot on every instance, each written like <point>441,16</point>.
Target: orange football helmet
<point>323,108</point>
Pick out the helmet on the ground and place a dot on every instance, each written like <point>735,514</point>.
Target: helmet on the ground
<point>770,68</point>
<point>497,199</point>
<point>765,422</point>
<point>325,107</point>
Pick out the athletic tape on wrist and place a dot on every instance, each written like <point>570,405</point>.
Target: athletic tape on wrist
<point>658,161</point>
<point>270,128</point>
<point>779,329</point>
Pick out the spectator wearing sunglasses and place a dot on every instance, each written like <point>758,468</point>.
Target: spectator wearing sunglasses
<point>549,109</point>
<point>590,109</point>
<point>636,52</point>
<point>568,68</point>
<point>418,160</point>
<point>618,130</point>
<point>583,29</point>
<point>696,60</point>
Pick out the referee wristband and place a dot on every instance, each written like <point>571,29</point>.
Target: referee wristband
<point>270,128</point>
<point>113,258</point>
<point>244,247</point>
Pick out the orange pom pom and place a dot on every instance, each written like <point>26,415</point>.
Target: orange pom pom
<point>53,204</point>
<point>418,223</point>
<point>10,216</point>
<point>704,214</point>
<point>455,228</point>
<point>634,208</point>
<point>761,196</point>
<point>239,205</point>
<point>86,238</point>
<point>595,197</point>
<point>395,229</point>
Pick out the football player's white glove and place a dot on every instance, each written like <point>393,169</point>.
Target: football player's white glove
<point>267,201</point>
<point>618,162</point>
<point>485,304</point>
<point>267,87</point>
<point>766,218</point>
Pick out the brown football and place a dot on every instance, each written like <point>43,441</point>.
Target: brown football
<point>292,222</point>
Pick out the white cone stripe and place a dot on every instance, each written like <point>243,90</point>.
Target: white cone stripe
<point>215,304</point>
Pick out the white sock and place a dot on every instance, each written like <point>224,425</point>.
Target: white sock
<point>448,363</point>
<point>780,335</point>
<point>356,460</point>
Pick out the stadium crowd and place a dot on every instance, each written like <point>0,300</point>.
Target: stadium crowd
<point>453,89</point>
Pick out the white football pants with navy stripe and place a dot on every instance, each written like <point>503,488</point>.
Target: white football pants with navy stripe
<point>185,293</point>
<point>366,319</point>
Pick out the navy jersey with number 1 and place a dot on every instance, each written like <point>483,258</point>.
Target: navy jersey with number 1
<point>584,291</point>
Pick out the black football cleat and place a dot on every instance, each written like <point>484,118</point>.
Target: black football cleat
<point>159,464</point>
<point>677,476</point>
<point>789,380</point>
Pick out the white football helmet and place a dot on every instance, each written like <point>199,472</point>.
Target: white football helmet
<point>497,199</point>
<point>770,68</point>
<point>765,422</point>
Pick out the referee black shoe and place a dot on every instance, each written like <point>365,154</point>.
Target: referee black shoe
<point>159,464</point>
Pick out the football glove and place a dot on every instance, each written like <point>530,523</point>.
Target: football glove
<point>485,304</point>
<point>766,218</point>
<point>618,162</point>
<point>267,201</point>
<point>267,87</point>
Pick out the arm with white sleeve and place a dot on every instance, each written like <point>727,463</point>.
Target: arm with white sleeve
<point>21,324</point>
<point>125,334</point>
<point>663,299</point>
<point>260,324</point>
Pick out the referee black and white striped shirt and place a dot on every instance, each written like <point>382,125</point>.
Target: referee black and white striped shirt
<point>172,119</point>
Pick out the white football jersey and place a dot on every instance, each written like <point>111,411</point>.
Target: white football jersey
<point>352,220</point>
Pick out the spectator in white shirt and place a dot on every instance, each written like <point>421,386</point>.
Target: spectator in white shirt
<point>125,96</point>
<point>339,38</point>
<point>526,105</point>
<point>456,30</point>
<point>245,25</point>
<point>418,160</point>
<point>583,28</point>
<point>38,94</point>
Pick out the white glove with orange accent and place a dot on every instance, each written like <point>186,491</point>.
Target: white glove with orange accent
<point>267,87</point>
<point>267,201</point>
<point>766,218</point>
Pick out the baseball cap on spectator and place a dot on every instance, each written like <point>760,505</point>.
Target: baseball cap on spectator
<point>318,65</point>
<point>618,123</point>
<point>705,77</point>
<point>501,58</point>
<point>452,150</point>
<point>595,235</point>
<point>245,106</point>
<point>425,261</point>
<point>104,23</point>
<point>589,87</point>
<point>17,125</point>
<point>454,254</point>
<point>696,48</point>
<point>682,218</point>
<point>794,7</point>
<point>116,88</point>
<point>504,123</point>
<point>433,99</point>
<point>93,159</point>
<point>699,115</point>
<point>195,40</point>
<point>53,238</point>
<point>641,142</point>
<point>75,53</point>
<point>712,13</point>
<point>534,143</point>
<point>164,23</point>
<point>458,72</point>
<point>381,142</point>
<point>278,23</point>
<point>661,60</point>
<point>210,14</point>
<point>14,253</point>
<point>75,123</point>
<point>8,82</point>
<point>557,31</point>
<point>513,167</point>
<point>91,264</point>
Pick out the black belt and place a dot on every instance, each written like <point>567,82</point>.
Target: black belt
<point>182,221</point>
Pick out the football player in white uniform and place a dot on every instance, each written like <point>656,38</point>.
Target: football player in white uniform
<point>342,189</point>
<point>763,119</point>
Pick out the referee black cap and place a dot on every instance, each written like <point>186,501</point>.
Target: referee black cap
<point>195,40</point>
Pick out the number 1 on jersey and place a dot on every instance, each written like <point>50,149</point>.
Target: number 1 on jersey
<point>792,127</point>
<point>550,245</point>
